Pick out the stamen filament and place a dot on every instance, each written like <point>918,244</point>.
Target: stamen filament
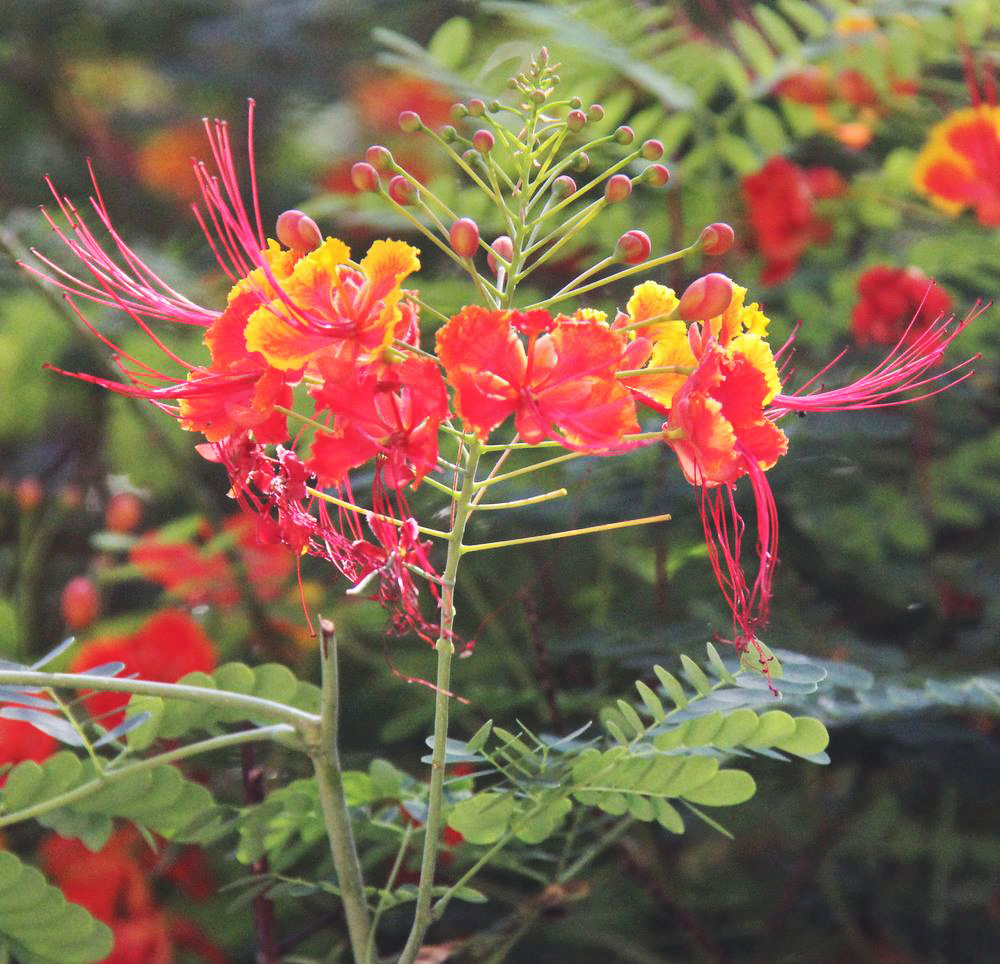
<point>607,527</point>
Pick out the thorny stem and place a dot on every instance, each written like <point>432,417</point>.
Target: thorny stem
<point>329,779</point>
<point>445,649</point>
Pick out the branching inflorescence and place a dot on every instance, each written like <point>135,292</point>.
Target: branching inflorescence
<point>316,367</point>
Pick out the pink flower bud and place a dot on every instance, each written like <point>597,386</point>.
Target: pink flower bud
<point>504,247</point>
<point>624,135</point>
<point>618,188</point>
<point>476,107</point>
<point>576,120</point>
<point>633,247</point>
<point>483,141</point>
<point>124,509</point>
<point>78,602</point>
<point>706,297</point>
<point>717,238</point>
<point>297,231</point>
<point>458,111</point>
<point>563,186</point>
<point>379,157</point>
<point>656,174</point>
<point>652,150</point>
<point>28,493</point>
<point>364,177</point>
<point>464,237</point>
<point>581,162</point>
<point>402,191</point>
<point>410,122</point>
<point>595,113</point>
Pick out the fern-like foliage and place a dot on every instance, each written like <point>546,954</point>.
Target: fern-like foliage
<point>172,719</point>
<point>39,926</point>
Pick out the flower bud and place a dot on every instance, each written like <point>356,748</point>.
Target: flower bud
<point>476,107</point>
<point>596,112</point>
<point>576,120</point>
<point>124,510</point>
<point>28,493</point>
<point>504,247</point>
<point>483,141</point>
<point>563,186</point>
<point>538,96</point>
<point>633,247</point>
<point>624,135</point>
<point>575,103</point>
<point>402,191</point>
<point>705,298</point>
<point>78,602</point>
<point>295,230</point>
<point>410,122</point>
<point>379,157</point>
<point>581,162</point>
<point>464,237</point>
<point>618,188</point>
<point>656,175</point>
<point>364,177</point>
<point>458,111</point>
<point>652,150</point>
<point>717,238</point>
<point>494,106</point>
<point>448,134</point>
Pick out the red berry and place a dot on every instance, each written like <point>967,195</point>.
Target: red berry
<point>717,238</point>
<point>633,247</point>
<point>618,188</point>
<point>123,512</point>
<point>464,237</point>
<point>364,176</point>
<point>504,247</point>
<point>706,297</point>
<point>78,602</point>
<point>298,231</point>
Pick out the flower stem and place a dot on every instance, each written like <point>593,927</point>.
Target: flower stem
<point>445,649</point>
<point>329,779</point>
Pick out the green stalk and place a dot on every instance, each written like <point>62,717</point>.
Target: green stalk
<point>254,706</point>
<point>445,649</point>
<point>329,779</point>
<point>109,776</point>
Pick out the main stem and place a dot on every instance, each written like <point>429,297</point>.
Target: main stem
<point>329,779</point>
<point>422,916</point>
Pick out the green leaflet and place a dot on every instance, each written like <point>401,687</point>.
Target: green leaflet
<point>39,926</point>
<point>159,798</point>
<point>171,719</point>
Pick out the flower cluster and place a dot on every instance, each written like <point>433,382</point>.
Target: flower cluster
<point>315,365</point>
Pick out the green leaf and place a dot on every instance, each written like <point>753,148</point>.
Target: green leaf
<point>631,717</point>
<point>776,29</point>
<point>542,825</point>
<point>738,154</point>
<point>479,738</point>
<point>451,42</point>
<point>653,703</point>
<point>726,789</point>
<point>810,737</point>
<point>758,658</point>
<point>668,817</point>
<point>772,728</point>
<point>718,666</point>
<point>483,818</point>
<point>765,129</point>
<point>671,686</point>
<point>695,675</point>
<point>39,926</point>
<point>806,17</point>
<point>754,48</point>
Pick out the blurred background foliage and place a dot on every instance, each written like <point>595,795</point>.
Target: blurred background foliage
<point>889,519</point>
